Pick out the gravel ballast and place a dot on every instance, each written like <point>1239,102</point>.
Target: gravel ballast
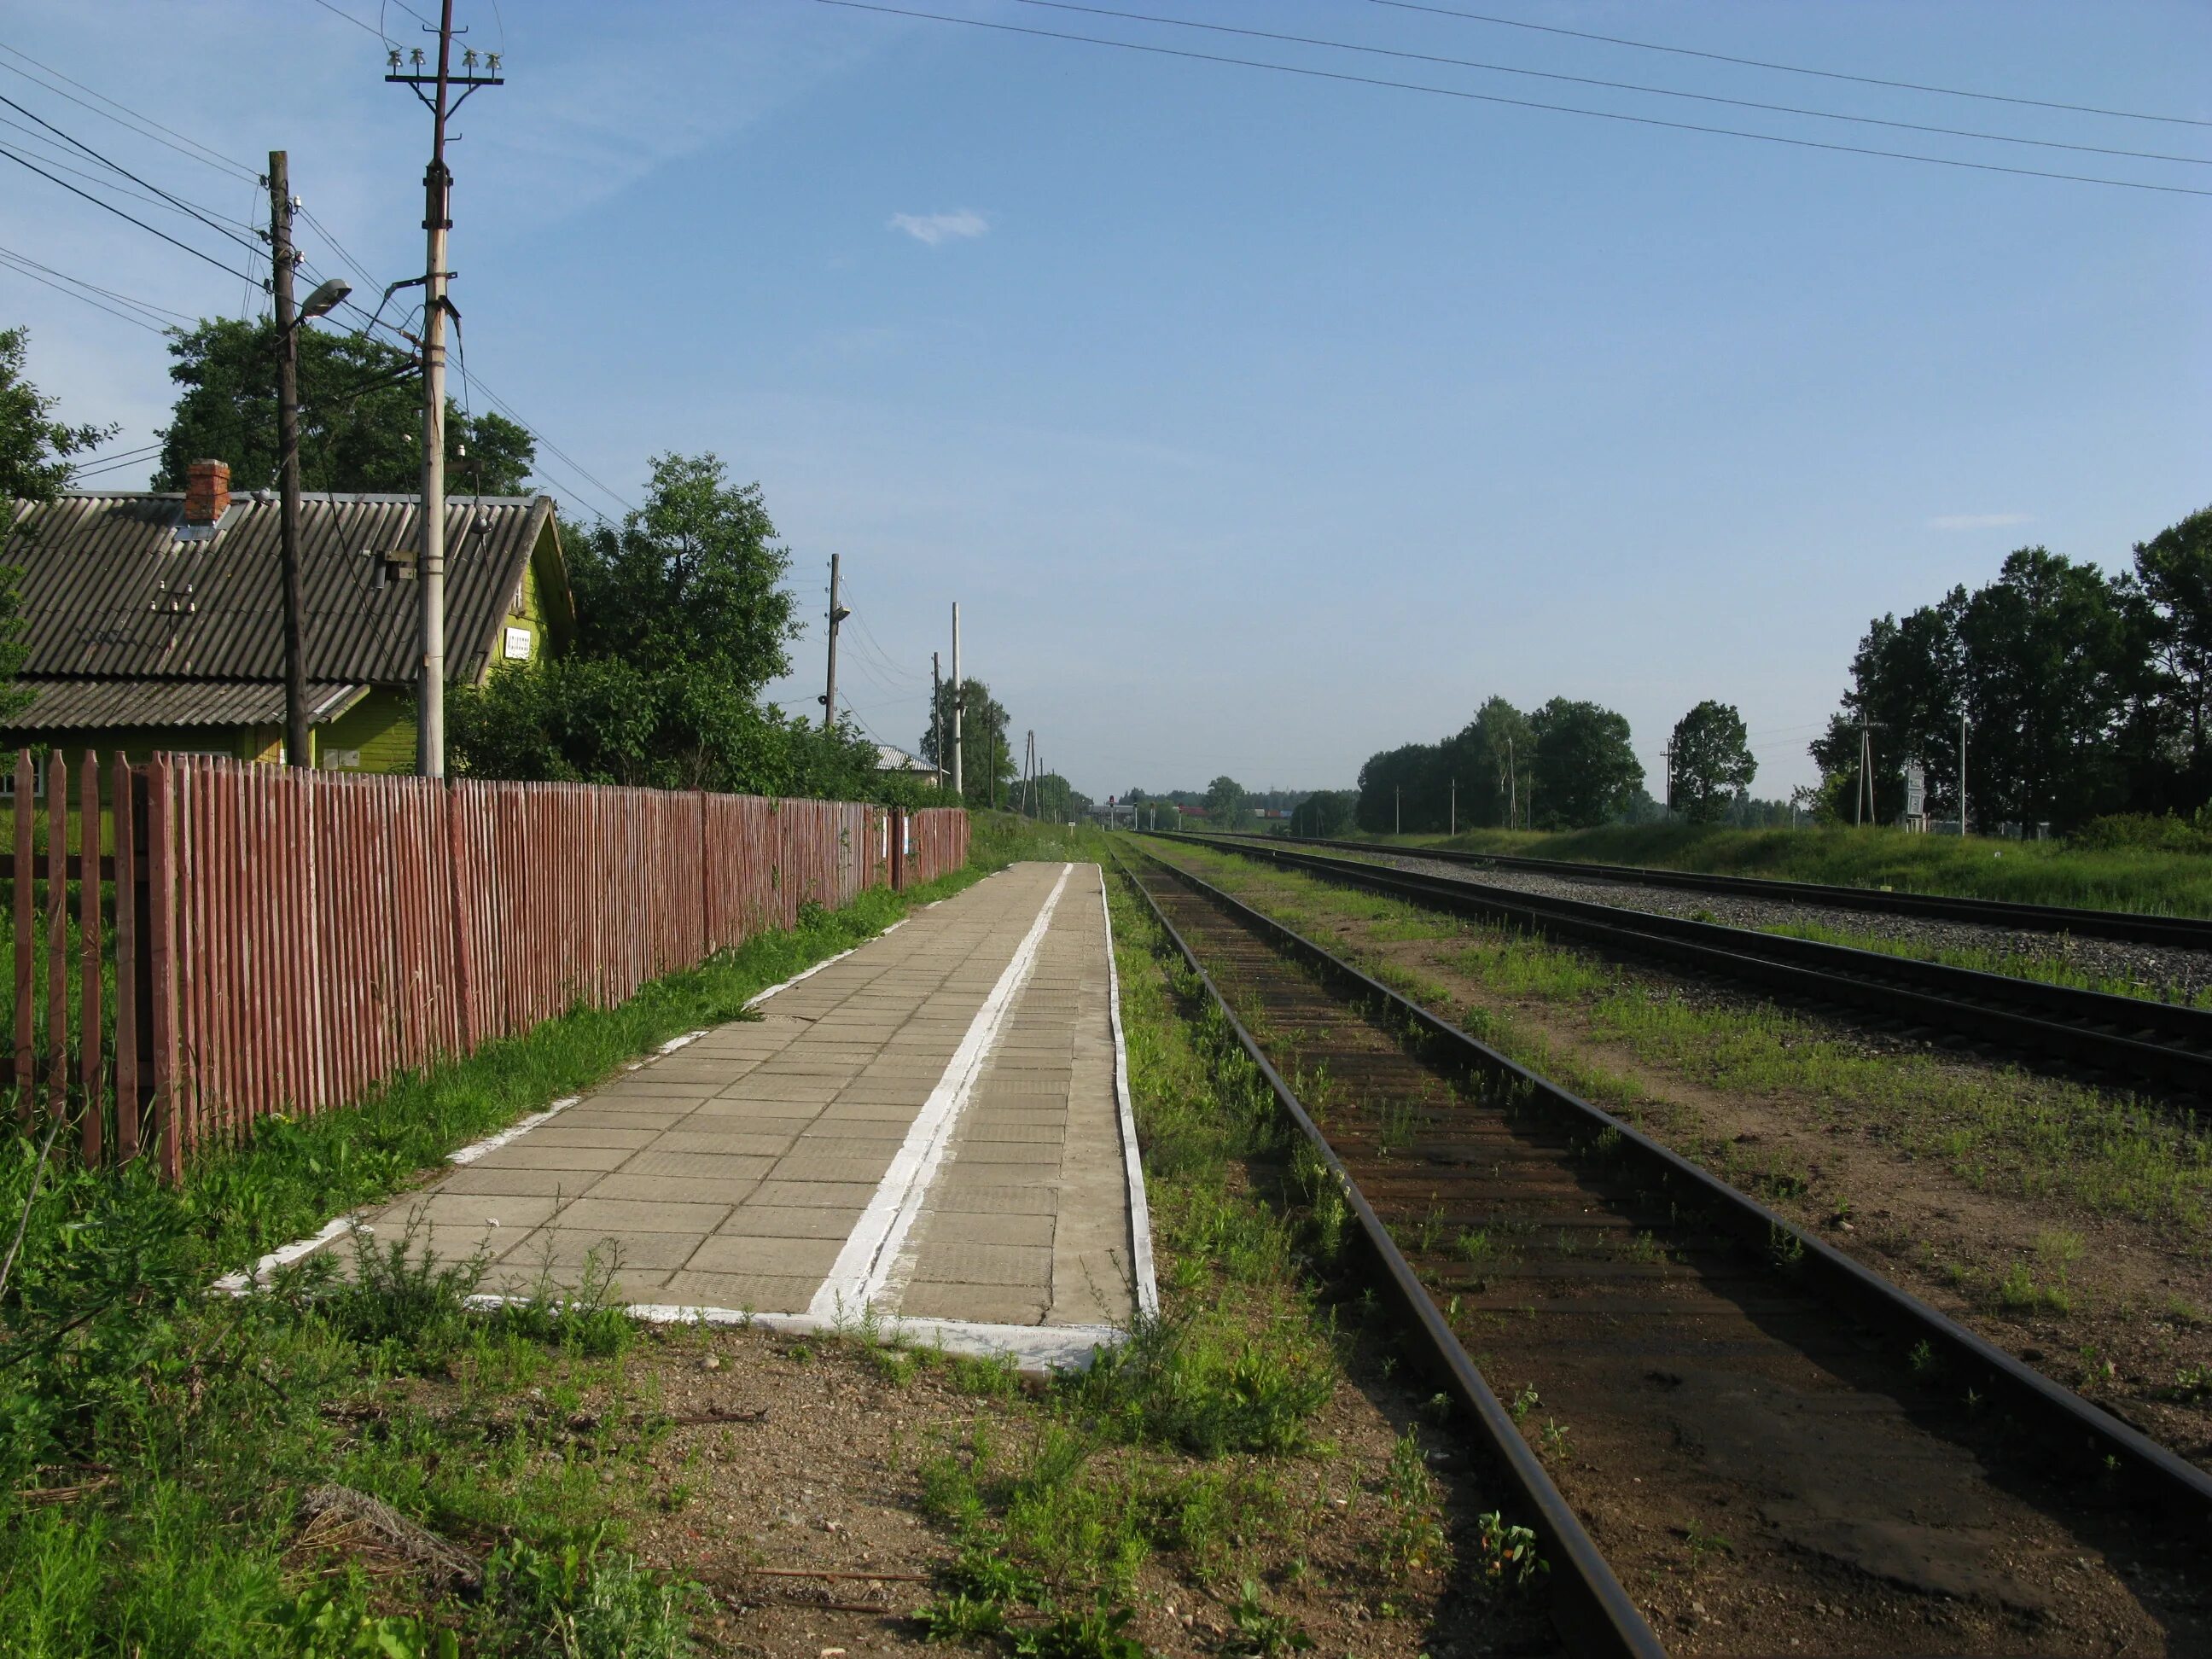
<point>2162,972</point>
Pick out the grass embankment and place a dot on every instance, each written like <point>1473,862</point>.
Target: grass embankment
<point>156,1444</point>
<point>2028,872</point>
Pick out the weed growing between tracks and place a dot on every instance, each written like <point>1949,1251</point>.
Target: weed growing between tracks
<point>2069,1224</point>
<point>156,1443</point>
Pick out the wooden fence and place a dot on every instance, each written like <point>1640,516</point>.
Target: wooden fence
<point>264,939</point>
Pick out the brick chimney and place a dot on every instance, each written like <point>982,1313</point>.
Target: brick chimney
<point>207,491</point>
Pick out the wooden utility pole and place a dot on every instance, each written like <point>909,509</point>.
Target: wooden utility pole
<point>437,220</point>
<point>282,259</point>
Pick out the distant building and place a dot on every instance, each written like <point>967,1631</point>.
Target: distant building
<point>154,620</point>
<point>896,762</point>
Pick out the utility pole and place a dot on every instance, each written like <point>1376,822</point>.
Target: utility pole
<point>1668,751</point>
<point>1864,798</point>
<point>437,220</point>
<point>959,696</point>
<point>1962,777</point>
<point>838,615</point>
<point>282,260</point>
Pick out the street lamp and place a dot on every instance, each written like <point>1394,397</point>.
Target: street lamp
<point>326,297</point>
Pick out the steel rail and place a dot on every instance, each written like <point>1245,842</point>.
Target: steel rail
<point>2074,1429</point>
<point>2131,1036</point>
<point>2130,926</point>
<point>1592,1609</point>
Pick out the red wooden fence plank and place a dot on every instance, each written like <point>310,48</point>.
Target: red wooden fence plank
<point>57,935</point>
<point>123,792</point>
<point>26,823</point>
<point>90,953</point>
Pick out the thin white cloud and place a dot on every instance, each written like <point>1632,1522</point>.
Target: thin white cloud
<point>936,228</point>
<point>1977,520</point>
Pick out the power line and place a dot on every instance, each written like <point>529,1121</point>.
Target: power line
<point>118,168</point>
<point>1618,85</point>
<point>339,248</point>
<point>1466,95</point>
<point>46,153</point>
<point>367,28</point>
<point>197,151</point>
<point>121,214</point>
<point>29,267</point>
<point>60,288</point>
<point>1788,69</point>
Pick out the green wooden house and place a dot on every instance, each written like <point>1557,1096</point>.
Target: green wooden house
<point>154,620</point>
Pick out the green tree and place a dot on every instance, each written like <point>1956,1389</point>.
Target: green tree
<point>1485,758</point>
<point>1325,814</point>
<point>361,415</point>
<point>987,759</point>
<point>1584,770</point>
<point>681,620</point>
<point>1712,764</point>
<point>1908,684</point>
<point>1227,805</point>
<point>2173,579</point>
<point>35,464</point>
<point>695,576</point>
<point>2046,653</point>
<point>35,449</point>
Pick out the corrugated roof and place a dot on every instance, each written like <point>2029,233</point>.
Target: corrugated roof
<point>84,705</point>
<point>108,590</point>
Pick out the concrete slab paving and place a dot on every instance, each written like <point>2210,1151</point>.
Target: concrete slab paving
<point>931,1130</point>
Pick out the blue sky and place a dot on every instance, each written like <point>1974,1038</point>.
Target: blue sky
<point>1257,421</point>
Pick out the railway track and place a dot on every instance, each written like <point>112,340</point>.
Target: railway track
<point>2129,926</point>
<point>2132,1040</point>
<point>1730,1438</point>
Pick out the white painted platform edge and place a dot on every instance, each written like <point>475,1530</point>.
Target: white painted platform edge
<point>470,1154</point>
<point>239,1282</point>
<point>872,1249</point>
<point>1140,1212</point>
<point>759,997</point>
<point>1031,1347</point>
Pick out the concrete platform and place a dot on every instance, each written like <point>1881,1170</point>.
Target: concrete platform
<point>930,1133</point>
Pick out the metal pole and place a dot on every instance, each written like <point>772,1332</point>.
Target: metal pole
<point>959,696</point>
<point>437,188</point>
<point>838,614</point>
<point>282,261</point>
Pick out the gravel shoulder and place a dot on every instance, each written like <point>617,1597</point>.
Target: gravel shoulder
<point>2164,973</point>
